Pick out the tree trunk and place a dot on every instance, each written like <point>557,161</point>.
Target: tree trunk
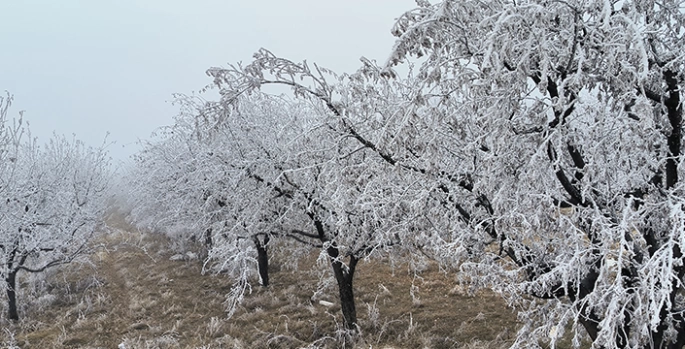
<point>262,259</point>
<point>207,243</point>
<point>11,281</point>
<point>344,275</point>
<point>347,305</point>
<point>208,239</point>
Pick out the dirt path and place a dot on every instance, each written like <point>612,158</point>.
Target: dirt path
<point>135,296</point>
<point>157,302</point>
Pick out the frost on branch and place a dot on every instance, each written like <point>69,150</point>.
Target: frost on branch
<point>566,117</point>
<point>304,171</point>
<point>305,80</point>
<point>52,199</point>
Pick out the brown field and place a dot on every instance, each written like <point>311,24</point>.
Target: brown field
<point>131,295</point>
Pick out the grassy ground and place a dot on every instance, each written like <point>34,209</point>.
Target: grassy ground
<point>132,295</point>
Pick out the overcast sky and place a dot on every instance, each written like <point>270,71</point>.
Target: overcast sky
<point>89,67</point>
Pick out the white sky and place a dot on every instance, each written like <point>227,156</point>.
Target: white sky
<point>88,67</point>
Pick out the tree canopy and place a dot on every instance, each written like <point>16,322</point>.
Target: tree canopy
<point>52,197</point>
<point>534,144</point>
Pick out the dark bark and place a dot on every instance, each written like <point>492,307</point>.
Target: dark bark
<point>11,281</point>
<point>671,101</point>
<point>675,118</point>
<point>344,275</point>
<point>262,259</point>
<point>674,140</point>
<point>208,239</point>
<point>658,336</point>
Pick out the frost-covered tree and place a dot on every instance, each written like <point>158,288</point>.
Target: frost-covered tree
<point>360,202</point>
<point>254,167</point>
<point>52,199</point>
<point>210,177</point>
<point>171,183</point>
<point>554,130</point>
<point>253,141</point>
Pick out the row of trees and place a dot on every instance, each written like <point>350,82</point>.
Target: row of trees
<point>241,173</point>
<point>571,105</point>
<point>535,144</point>
<point>51,197</point>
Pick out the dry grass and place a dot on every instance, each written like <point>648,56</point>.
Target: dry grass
<point>133,296</point>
